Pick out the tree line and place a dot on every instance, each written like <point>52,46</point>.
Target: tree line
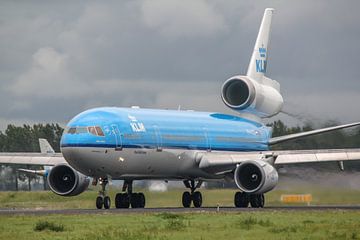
<point>349,138</point>
<point>25,138</point>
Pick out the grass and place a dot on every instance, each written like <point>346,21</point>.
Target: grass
<point>267,224</point>
<point>242,225</point>
<point>172,198</point>
<point>45,225</point>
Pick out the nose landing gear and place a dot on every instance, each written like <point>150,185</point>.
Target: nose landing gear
<point>192,196</point>
<point>102,200</point>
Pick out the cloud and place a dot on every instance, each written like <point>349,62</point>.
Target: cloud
<point>59,59</point>
<point>179,18</point>
<point>48,77</point>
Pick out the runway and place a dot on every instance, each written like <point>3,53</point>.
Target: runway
<point>172,210</point>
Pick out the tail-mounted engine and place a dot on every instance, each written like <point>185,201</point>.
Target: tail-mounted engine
<point>243,94</point>
<point>255,177</point>
<point>65,181</point>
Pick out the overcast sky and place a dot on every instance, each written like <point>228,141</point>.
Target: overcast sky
<point>58,59</point>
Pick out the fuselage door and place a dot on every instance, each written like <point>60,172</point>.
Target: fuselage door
<point>158,138</point>
<point>207,140</point>
<point>117,137</point>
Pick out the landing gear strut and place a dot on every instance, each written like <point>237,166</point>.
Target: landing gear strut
<point>192,196</point>
<point>124,200</point>
<point>103,199</point>
<point>242,200</point>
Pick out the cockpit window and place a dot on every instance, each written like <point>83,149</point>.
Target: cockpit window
<point>99,131</point>
<point>96,130</point>
<point>72,130</point>
<point>81,130</point>
<point>92,130</point>
<point>77,130</point>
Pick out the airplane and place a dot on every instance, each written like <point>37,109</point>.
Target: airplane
<point>130,144</point>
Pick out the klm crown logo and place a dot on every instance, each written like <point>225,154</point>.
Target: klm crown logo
<point>262,52</point>
<point>260,63</point>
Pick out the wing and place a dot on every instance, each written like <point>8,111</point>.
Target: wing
<point>47,157</point>
<point>276,140</point>
<point>218,163</point>
<point>32,159</point>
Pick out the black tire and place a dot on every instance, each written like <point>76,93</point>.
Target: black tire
<point>122,200</point>
<point>186,199</point>
<point>99,202</point>
<point>134,200</point>
<point>257,200</point>
<point>197,199</point>
<point>125,200</point>
<point>262,200</point>
<point>107,202</point>
<point>141,200</point>
<point>241,200</point>
<point>118,200</point>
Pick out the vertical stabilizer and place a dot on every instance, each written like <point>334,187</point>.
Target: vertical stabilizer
<point>258,61</point>
<point>45,146</point>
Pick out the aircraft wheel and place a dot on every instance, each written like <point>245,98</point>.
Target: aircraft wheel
<point>241,200</point>
<point>134,200</point>
<point>257,200</point>
<point>107,202</point>
<point>118,198</point>
<point>186,199</point>
<point>141,200</point>
<point>99,202</point>
<point>122,200</point>
<point>197,199</point>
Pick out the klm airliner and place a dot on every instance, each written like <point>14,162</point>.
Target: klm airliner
<point>132,144</point>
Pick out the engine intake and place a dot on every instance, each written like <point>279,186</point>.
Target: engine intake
<point>242,93</point>
<point>65,181</point>
<point>255,177</point>
<point>238,93</point>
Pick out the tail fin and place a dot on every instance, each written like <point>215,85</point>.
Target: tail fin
<point>45,146</point>
<point>258,61</point>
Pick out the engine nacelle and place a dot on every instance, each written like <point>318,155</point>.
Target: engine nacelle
<point>65,181</point>
<point>243,94</point>
<point>256,177</point>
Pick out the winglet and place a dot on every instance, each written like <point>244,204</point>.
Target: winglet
<point>285,138</point>
<point>45,146</point>
<point>258,61</point>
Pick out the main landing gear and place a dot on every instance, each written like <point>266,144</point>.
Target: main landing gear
<point>242,200</point>
<point>124,200</point>
<point>192,196</point>
<point>102,200</point>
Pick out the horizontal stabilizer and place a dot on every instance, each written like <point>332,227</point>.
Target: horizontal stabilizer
<point>285,138</point>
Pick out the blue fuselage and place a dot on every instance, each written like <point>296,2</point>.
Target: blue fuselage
<point>123,128</point>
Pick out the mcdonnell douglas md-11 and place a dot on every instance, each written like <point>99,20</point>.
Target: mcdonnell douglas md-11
<point>138,144</point>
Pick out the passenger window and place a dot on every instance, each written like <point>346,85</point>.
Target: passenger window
<point>99,131</point>
<point>92,130</point>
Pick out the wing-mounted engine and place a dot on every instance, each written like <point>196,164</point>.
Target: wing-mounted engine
<point>65,181</point>
<point>255,177</point>
<point>243,94</point>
